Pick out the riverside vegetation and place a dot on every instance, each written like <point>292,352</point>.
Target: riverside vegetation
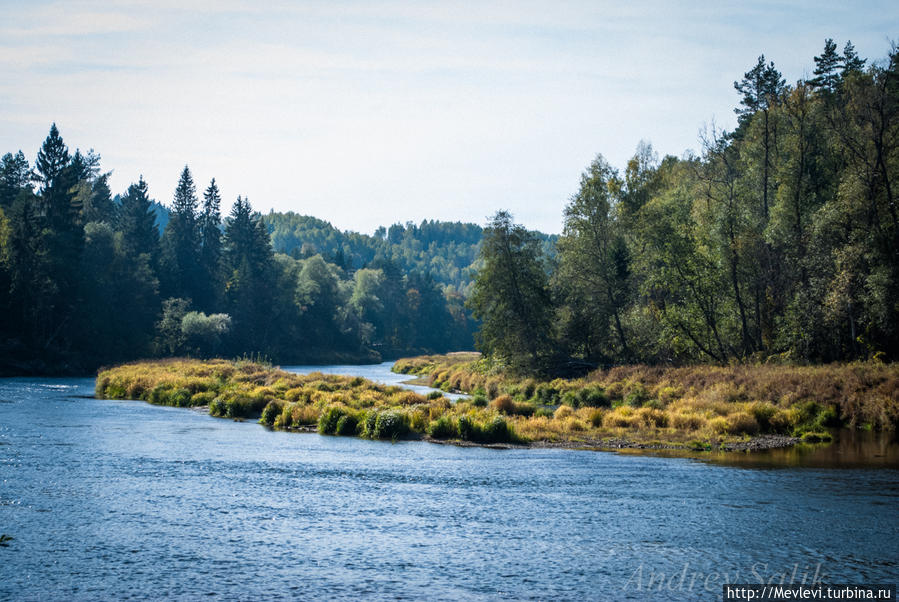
<point>692,406</point>
<point>739,407</point>
<point>331,404</point>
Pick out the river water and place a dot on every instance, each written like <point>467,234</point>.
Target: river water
<point>118,499</point>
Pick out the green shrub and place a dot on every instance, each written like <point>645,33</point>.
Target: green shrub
<point>654,404</point>
<point>270,413</point>
<point>435,395</point>
<point>346,426</point>
<point>389,424</point>
<point>496,431</point>
<point>443,428</point>
<point>570,398</point>
<point>479,401</point>
<point>546,394</point>
<point>327,422</point>
<point>468,430</point>
<point>544,412</point>
<point>636,396</point>
<point>368,424</point>
<point>593,397</point>
<point>202,398</point>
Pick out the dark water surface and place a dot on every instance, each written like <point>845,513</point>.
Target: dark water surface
<point>115,499</point>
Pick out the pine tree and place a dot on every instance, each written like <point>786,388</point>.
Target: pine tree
<point>827,76</point>
<point>852,63</point>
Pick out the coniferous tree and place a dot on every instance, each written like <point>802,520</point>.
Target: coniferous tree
<point>181,242</point>
<point>137,222</point>
<point>99,206</point>
<point>210,229</point>
<point>15,177</point>
<point>827,75</point>
<point>852,63</point>
<point>250,268</point>
<point>61,239</point>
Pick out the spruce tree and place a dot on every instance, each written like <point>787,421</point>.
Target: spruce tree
<point>62,236</point>
<point>15,176</point>
<point>181,242</point>
<point>137,222</point>
<point>210,223</point>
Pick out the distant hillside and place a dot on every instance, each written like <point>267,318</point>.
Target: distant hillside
<point>447,251</point>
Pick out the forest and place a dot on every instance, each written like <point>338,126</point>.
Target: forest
<point>777,242</point>
<point>87,278</point>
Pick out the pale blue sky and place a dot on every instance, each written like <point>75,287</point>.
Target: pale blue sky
<point>369,113</point>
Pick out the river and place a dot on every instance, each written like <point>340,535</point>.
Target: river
<point>120,499</point>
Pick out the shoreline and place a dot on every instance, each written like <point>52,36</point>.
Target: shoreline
<point>755,444</point>
<point>592,415</point>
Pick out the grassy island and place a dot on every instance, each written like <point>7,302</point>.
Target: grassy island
<point>330,404</point>
<point>701,407</point>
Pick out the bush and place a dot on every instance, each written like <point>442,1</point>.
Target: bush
<point>434,395</point>
<point>443,428</point>
<point>593,397</point>
<point>479,401</point>
<point>327,422</point>
<point>496,431</point>
<point>468,430</point>
<point>595,418</point>
<point>570,398</point>
<point>368,423</point>
<point>346,425</point>
<point>546,394</point>
<point>637,396</point>
<point>389,424</point>
<point>687,421</point>
<point>203,398</point>
<point>271,413</point>
<point>503,404</point>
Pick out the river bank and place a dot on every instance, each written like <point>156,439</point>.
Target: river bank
<point>744,407</point>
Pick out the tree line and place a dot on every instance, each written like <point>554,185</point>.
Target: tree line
<point>779,241</point>
<point>88,279</point>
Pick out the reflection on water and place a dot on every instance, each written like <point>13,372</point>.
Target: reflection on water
<point>112,499</point>
<point>849,449</point>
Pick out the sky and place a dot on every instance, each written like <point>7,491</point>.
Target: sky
<point>371,113</point>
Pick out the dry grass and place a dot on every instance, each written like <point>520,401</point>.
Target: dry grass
<point>639,403</point>
<point>697,401</point>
